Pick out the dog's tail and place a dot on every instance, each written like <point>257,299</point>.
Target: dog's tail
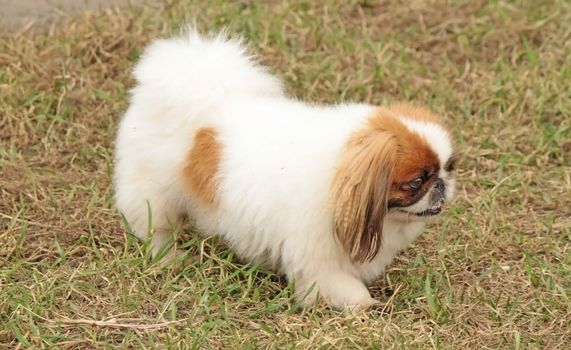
<point>198,71</point>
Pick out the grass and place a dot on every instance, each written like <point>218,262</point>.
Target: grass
<point>493,273</point>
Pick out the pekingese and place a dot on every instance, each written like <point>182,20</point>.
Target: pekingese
<point>325,194</point>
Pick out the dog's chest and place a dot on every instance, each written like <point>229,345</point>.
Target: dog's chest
<point>397,236</point>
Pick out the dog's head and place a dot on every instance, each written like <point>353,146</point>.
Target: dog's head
<point>398,166</point>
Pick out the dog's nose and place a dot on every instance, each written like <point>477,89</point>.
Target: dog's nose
<point>440,186</point>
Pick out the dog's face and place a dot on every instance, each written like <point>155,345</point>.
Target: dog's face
<point>399,167</point>
<point>421,192</point>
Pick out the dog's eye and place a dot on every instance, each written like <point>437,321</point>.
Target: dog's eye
<point>413,185</point>
<point>416,183</point>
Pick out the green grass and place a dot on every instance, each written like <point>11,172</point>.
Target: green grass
<point>493,273</point>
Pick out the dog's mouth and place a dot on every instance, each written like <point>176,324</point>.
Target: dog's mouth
<point>435,210</point>
<point>430,212</point>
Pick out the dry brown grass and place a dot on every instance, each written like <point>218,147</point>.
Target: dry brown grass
<point>494,273</point>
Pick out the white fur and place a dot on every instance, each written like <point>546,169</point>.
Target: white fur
<point>278,161</point>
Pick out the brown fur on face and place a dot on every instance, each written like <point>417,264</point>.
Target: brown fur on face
<point>202,165</point>
<point>377,161</point>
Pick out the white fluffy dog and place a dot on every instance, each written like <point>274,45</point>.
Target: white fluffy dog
<point>326,195</point>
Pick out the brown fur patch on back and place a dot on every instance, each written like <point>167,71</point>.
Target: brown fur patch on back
<point>202,165</point>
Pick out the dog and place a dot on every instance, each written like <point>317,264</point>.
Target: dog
<point>326,195</point>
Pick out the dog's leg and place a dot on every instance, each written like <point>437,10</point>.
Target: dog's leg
<point>344,291</point>
<point>150,220</point>
<point>339,288</point>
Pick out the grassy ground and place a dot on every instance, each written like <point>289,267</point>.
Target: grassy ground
<point>494,273</point>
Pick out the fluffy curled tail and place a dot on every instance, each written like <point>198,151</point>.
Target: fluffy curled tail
<point>198,71</point>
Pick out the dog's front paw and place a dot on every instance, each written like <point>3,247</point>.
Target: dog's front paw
<point>364,305</point>
<point>346,292</point>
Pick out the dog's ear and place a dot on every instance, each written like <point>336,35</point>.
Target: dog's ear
<point>361,188</point>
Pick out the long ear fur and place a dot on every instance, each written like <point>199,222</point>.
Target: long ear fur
<point>361,188</point>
